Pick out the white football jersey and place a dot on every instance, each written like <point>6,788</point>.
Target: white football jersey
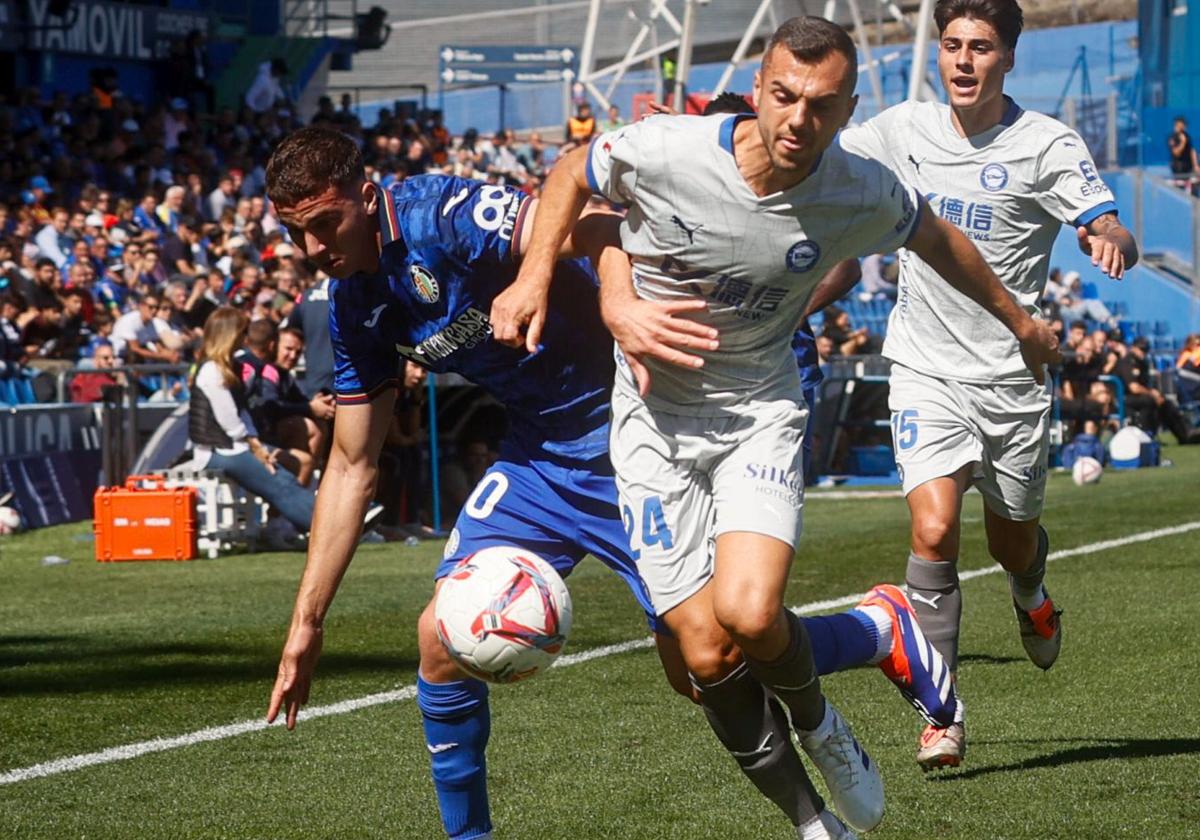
<point>1009,190</point>
<point>695,229</point>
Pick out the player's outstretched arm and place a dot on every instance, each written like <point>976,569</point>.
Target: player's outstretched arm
<point>1110,245</point>
<point>522,306</point>
<point>345,493</point>
<point>951,254</point>
<point>831,288</point>
<point>648,328</point>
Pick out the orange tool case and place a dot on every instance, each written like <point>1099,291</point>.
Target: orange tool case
<point>145,523</point>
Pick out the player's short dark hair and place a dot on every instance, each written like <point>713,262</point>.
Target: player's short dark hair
<point>43,262</point>
<point>811,39</point>
<point>261,333</point>
<point>1181,118</point>
<point>1004,15</point>
<point>728,103</point>
<point>309,161</point>
<point>1079,325</point>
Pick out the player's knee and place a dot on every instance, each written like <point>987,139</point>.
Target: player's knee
<point>749,619</point>
<point>436,664</point>
<point>935,536</point>
<point>711,663</point>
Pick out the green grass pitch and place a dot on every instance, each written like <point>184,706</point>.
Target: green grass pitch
<point>96,656</point>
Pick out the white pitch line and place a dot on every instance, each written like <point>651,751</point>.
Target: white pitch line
<point>843,495</point>
<point>218,733</point>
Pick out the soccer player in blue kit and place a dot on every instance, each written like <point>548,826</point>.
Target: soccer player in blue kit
<point>415,269</point>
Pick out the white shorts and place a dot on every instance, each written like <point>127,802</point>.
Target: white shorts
<point>683,481</point>
<point>940,426</point>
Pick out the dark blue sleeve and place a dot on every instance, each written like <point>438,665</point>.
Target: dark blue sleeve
<point>365,363</point>
<point>471,220</point>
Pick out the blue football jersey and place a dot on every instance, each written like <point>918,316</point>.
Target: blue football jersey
<point>804,346</point>
<point>449,246</point>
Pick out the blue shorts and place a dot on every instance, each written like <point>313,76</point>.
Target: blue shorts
<point>560,513</point>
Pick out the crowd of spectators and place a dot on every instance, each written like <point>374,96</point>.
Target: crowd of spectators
<point>125,225</point>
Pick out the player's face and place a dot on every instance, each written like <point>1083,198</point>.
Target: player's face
<point>972,61</point>
<point>336,229</point>
<point>802,106</point>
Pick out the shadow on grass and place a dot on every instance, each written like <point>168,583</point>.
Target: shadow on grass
<point>988,659</point>
<point>89,667</point>
<point>30,640</point>
<point>1101,749</point>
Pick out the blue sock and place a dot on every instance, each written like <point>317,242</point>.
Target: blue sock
<point>457,723</point>
<point>841,641</point>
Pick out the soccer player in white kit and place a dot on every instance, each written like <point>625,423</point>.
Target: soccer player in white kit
<point>964,407</point>
<point>737,218</point>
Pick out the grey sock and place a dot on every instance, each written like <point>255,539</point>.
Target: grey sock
<point>1028,584</point>
<point>793,677</point>
<point>937,601</point>
<point>755,731</point>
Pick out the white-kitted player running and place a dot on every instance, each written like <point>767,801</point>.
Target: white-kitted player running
<point>965,408</point>
<point>737,218</point>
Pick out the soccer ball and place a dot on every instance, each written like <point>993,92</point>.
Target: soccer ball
<point>1086,471</point>
<point>10,520</point>
<point>503,614</point>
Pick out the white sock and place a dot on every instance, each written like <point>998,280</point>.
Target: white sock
<point>1029,601</point>
<point>883,624</point>
<point>820,827</point>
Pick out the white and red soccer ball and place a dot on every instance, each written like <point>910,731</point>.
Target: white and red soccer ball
<point>1086,470</point>
<point>10,520</point>
<point>503,614</point>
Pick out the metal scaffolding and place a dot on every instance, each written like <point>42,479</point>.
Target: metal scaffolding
<point>679,33</point>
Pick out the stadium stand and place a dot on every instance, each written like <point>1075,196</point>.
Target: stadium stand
<point>127,217</point>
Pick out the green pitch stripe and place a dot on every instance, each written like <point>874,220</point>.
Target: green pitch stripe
<point>219,733</point>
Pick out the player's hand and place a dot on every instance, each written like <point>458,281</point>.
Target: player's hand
<point>1104,251</point>
<point>520,308</point>
<point>656,329</point>
<point>1040,348</point>
<point>656,107</point>
<point>296,667</point>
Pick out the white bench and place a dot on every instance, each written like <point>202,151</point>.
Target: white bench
<point>225,513</point>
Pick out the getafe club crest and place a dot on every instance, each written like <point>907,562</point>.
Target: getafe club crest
<point>451,545</point>
<point>802,256</point>
<point>424,283</point>
<point>994,177</point>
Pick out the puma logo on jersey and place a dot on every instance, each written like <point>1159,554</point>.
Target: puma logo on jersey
<point>933,602</point>
<point>375,313</point>
<point>916,163</point>
<point>690,231</point>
